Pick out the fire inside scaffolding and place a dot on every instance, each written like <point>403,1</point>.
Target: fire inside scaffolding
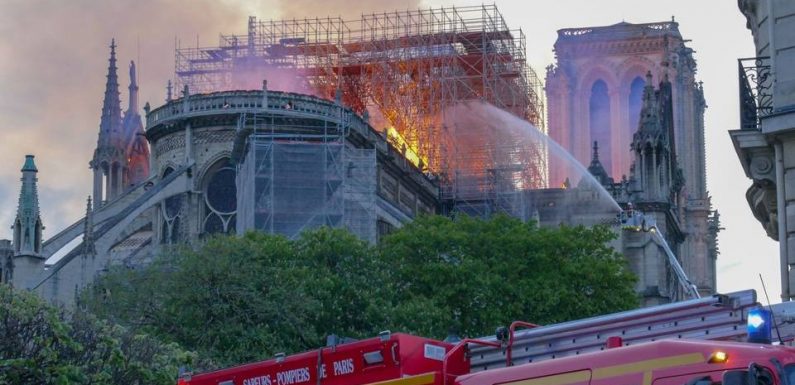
<point>404,70</point>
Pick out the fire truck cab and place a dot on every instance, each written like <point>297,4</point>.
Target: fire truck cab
<point>665,362</point>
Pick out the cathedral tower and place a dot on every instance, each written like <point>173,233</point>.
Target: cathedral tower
<point>599,89</point>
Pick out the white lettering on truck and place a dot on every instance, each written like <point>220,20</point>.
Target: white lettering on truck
<point>261,380</point>
<point>294,376</point>
<point>343,367</point>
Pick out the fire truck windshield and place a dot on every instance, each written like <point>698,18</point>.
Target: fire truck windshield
<point>755,375</point>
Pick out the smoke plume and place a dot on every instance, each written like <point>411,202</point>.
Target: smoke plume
<point>347,10</point>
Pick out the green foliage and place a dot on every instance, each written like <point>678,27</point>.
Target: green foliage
<point>240,299</point>
<point>40,344</point>
<point>476,275</point>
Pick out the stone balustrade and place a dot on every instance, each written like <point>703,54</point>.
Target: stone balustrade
<point>234,102</point>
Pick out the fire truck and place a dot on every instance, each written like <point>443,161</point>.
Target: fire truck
<point>722,339</point>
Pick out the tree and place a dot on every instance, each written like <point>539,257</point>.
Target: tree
<point>473,275</point>
<point>240,299</point>
<point>40,344</point>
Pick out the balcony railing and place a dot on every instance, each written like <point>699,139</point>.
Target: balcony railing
<point>756,98</point>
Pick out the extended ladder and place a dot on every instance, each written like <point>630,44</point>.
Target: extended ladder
<point>720,317</point>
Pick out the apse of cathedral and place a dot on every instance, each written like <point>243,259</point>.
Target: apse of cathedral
<point>622,99</point>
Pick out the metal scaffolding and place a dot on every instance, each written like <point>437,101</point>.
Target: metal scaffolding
<point>405,70</point>
<point>297,177</point>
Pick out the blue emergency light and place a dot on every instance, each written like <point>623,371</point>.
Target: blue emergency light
<point>760,326</point>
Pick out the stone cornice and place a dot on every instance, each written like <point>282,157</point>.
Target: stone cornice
<point>574,49</point>
<point>621,30</point>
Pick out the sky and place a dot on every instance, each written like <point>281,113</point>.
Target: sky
<point>53,62</point>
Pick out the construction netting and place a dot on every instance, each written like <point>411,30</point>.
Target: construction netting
<point>286,187</point>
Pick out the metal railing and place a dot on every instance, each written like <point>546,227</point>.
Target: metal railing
<point>756,96</point>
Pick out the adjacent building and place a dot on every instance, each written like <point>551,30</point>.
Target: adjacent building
<point>765,141</point>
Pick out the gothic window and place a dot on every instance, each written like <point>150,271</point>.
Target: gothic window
<point>37,237</point>
<point>599,119</point>
<point>383,228</point>
<point>17,235</point>
<point>105,193</point>
<point>635,102</point>
<point>220,198</point>
<point>648,153</point>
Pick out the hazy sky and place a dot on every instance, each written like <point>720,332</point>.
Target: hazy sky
<point>53,62</point>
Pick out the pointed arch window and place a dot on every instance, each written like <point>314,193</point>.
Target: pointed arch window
<point>635,103</point>
<point>599,121</point>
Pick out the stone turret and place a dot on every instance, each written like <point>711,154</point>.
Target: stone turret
<point>651,144</point>
<point>89,250</point>
<point>27,258</point>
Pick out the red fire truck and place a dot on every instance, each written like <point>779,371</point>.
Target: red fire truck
<point>395,359</point>
<point>686,343</point>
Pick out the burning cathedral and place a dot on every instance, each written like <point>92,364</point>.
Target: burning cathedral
<point>299,124</point>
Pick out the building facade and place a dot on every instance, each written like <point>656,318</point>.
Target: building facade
<point>765,141</point>
<point>598,94</point>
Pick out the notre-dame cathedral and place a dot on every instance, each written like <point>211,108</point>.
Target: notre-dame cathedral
<point>622,99</point>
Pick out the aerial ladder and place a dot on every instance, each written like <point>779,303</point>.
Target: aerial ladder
<point>633,220</point>
<point>717,317</point>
